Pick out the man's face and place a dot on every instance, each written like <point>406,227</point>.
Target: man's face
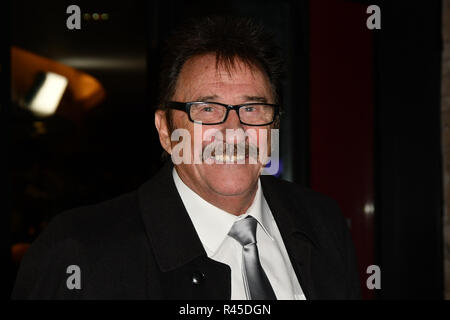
<point>200,80</point>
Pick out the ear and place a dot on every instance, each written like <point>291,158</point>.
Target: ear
<point>163,130</point>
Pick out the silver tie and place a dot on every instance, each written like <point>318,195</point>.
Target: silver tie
<point>255,279</point>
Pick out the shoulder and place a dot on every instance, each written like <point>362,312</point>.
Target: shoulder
<point>93,221</point>
<point>300,196</point>
<point>95,238</point>
<point>90,232</point>
<point>312,211</point>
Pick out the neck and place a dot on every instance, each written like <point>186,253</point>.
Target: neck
<point>233,204</point>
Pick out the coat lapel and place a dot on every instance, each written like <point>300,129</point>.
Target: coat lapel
<point>296,230</point>
<point>187,272</point>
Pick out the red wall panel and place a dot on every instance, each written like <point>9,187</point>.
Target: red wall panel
<point>342,122</point>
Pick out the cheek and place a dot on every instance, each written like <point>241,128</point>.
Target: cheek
<point>260,137</point>
<point>180,121</point>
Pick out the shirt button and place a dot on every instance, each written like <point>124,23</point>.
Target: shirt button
<point>198,278</point>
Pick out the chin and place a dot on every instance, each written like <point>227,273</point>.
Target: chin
<point>231,179</point>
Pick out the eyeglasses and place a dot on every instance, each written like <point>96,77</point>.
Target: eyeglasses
<point>210,113</point>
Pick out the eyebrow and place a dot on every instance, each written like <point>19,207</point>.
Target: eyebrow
<point>207,98</point>
<point>255,98</point>
<point>245,98</point>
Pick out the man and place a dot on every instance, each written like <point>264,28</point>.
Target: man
<point>210,226</point>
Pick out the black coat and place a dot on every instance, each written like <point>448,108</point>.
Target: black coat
<point>143,245</point>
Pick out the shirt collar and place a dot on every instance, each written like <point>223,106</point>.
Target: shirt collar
<point>213,224</point>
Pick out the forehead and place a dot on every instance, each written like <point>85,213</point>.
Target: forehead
<point>202,76</point>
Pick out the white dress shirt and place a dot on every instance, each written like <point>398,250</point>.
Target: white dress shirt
<point>213,224</point>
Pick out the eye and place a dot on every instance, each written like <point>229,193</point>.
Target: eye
<point>207,109</point>
<point>249,109</point>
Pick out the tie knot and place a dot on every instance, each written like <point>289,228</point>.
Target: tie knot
<point>244,231</point>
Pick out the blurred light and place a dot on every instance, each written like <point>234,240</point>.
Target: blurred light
<point>47,97</point>
<point>116,63</point>
<point>369,209</point>
<point>87,16</point>
<point>28,76</point>
<point>95,16</point>
<point>18,250</point>
<point>104,16</point>
<point>39,128</point>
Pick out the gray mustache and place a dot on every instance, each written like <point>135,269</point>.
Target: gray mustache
<point>231,149</point>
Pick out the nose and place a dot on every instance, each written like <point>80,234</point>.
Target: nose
<point>233,121</point>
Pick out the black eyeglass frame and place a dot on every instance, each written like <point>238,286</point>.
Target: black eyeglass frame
<point>186,107</point>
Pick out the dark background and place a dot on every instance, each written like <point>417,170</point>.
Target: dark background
<point>362,120</point>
